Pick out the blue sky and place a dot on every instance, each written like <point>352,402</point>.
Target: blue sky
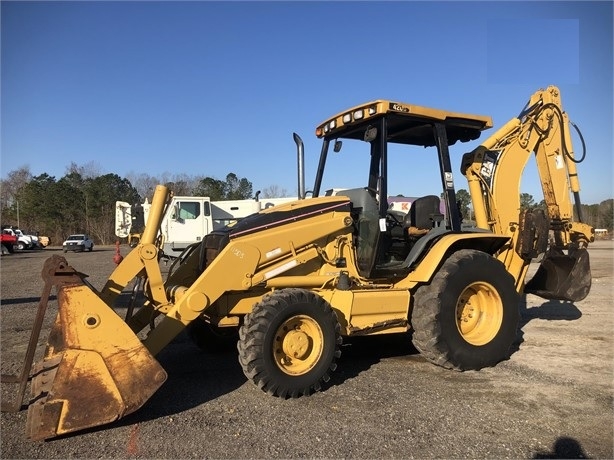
<point>216,87</point>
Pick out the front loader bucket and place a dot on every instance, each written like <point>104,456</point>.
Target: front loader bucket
<point>95,369</point>
<point>562,276</point>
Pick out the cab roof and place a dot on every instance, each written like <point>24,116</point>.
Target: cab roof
<point>406,123</point>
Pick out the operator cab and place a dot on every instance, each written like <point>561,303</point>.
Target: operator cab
<point>386,244</point>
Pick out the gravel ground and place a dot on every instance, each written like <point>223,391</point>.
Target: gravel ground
<point>552,399</point>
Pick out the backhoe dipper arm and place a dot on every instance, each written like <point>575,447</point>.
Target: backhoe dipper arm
<point>495,168</point>
<point>494,171</point>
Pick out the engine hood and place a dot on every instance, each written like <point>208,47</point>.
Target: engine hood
<point>285,213</point>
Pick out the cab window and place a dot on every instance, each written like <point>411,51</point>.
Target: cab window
<point>189,210</point>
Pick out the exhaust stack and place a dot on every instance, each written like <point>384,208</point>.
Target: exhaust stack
<point>301,165</point>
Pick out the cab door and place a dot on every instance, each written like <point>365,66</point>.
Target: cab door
<point>189,222</point>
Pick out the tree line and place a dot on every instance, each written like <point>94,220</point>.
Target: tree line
<point>596,215</point>
<point>83,200</point>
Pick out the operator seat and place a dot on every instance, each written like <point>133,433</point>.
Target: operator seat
<point>424,215</point>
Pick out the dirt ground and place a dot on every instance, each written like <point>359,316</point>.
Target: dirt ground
<point>552,399</point>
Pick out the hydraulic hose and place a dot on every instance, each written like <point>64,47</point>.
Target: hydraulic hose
<point>563,143</point>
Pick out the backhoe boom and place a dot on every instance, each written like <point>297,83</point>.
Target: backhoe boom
<point>494,172</point>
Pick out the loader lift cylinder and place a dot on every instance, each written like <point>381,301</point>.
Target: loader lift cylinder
<point>155,215</point>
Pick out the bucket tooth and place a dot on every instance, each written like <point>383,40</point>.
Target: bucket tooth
<point>95,369</point>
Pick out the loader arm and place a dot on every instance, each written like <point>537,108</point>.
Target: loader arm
<point>494,172</point>
<point>144,258</point>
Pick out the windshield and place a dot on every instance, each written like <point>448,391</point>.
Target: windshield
<point>412,171</point>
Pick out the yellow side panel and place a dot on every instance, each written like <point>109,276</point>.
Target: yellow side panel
<point>371,311</point>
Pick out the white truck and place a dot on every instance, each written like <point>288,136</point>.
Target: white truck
<point>187,220</point>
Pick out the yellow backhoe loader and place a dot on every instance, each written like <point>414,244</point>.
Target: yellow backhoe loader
<point>293,280</point>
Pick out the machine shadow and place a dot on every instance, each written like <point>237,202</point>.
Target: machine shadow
<point>550,310</point>
<point>359,354</point>
<point>27,300</point>
<point>195,377</point>
<point>564,447</point>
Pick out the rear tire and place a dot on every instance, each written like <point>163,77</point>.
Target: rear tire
<point>467,317</point>
<point>289,343</point>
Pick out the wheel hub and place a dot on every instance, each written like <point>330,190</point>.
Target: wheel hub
<point>479,313</point>
<point>296,344</point>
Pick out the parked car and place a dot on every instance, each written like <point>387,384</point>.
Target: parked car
<point>8,240</point>
<point>31,239</point>
<point>78,242</point>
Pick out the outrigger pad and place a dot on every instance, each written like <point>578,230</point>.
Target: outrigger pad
<point>95,369</point>
<point>562,276</point>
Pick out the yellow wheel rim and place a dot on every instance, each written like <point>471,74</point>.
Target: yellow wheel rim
<point>479,313</point>
<point>298,345</point>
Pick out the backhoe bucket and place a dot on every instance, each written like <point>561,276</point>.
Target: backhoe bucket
<point>95,369</point>
<point>562,276</point>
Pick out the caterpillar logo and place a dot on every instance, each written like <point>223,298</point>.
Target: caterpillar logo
<point>398,107</point>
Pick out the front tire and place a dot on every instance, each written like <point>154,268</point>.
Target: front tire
<point>289,343</point>
<point>467,317</point>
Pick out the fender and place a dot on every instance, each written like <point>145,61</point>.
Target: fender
<point>433,252</point>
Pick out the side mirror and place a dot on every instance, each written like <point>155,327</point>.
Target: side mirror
<point>175,213</point>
